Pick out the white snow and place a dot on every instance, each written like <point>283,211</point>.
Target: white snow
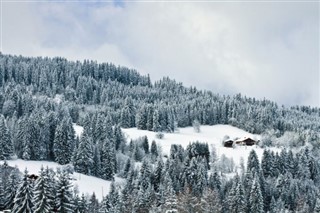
<point>78,129</point>
<point>213,135</point>
<point>85,184</point>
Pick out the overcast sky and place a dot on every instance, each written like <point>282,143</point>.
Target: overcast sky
<point>260,49</point>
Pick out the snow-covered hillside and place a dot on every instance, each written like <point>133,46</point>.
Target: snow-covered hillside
<point>85,184</point>
<point>213,135</point>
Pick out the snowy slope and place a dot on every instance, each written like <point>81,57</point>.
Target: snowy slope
<point>85,184</point>
<point>213,135</point>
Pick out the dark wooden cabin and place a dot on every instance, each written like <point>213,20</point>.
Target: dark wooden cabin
<point>245,141</point>
<point>249,142</point>
<point>228,143</point>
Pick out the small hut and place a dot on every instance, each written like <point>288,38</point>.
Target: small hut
<point>245,141</point>
<point>228,143</point>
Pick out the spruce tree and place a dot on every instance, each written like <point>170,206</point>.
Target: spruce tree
<point>145,144</point>
<point>6,145</point>
<point>158,174</point>
<point>83,206</point>
<point>141,118</point>
<point>64,193</point>
<point>154,150</point>
<point>10,190</point>
<point>253,164</point>
<point>83,160</point>
<point>156,121</point>
<point>43,199</point>
<point>107,160</point>
<point>93,205</point>
<point>113,198</point>
<point>256,199</point>
<point>63,142</point>
<point>24,195</point>
<point>210,202</point>
<point>170,204</point>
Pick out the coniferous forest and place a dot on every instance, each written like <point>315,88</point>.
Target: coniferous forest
<point>42,98</point>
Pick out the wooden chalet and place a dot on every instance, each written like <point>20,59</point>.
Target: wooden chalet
<point>228,143</point>
<point>246,141</point>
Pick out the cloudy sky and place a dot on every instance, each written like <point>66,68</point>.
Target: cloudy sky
<point>260,49</point>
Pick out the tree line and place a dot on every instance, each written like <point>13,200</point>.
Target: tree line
<point>184,182</point>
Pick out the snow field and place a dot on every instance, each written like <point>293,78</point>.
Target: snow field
<point>212,135</point>
<point>84,183</point>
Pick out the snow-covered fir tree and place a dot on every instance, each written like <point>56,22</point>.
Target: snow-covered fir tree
<point>23,199</point>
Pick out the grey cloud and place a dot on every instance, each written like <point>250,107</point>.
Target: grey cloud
<point>259,49</point>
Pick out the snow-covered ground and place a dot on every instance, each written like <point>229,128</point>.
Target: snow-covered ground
<point>78,130</point>
<point>85,184</point>
<point>212,135</point>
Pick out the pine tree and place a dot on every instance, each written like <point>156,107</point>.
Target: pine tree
<point>6,145</point>
<point>44,137</point>
<point>266,164</point>
<point>145,175</point>
<point>158,175</point>
<point>210,202</point>
<point>64,194</point>
<point>113,198</point>
<point>144,198</point>
<point>156,121</point>
<point>107,160</point>
<point>83,206</point>
<point>126,168</point>
<point>187,202</point>
<point>96,168</point>
<point>83,160</point>
<point>303,167</point>
<point>154,150</point>
<point>145,145</point>
<point>43,199</point>
<point>150,117</point>
<point>10,190</point>
<point>117,138</point>
<point>253,164</point>
<point>170,204</point>
<point>256,199</point>
<point>240,200</point>
<point>141,118</point>
<point>93,205</point>
<point>214,181</point>
<point>137,153</point>
<point>63,142</point>
<point>128,114</point>
<point>23,199</point>
<point>234,196</point>
<point>34,136</point>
